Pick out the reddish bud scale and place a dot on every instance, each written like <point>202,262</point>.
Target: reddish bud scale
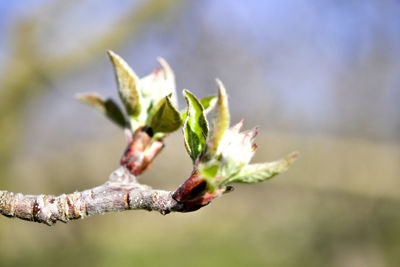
<point>191,188</point>
<point>193,193</point>
<point>141,151</point>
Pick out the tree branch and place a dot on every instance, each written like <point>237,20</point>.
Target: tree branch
<point>121,192</point>
<point>216,164</point>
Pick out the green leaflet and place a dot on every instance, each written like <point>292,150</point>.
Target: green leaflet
<point>195,128</point>
<point>220,122</point>
<point>158,84</point>
<point>153,89</point>
<point>108,107</point>
<point>128,84</point>
<point>256,173</point>
<point>169,78</point>
<point>211,171</point>
<point>114,113</point>
<point>166,118</point>
<point>208,104</point>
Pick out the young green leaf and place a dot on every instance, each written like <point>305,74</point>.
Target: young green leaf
<point>128,84</point>
<point>107,107</point>
<point>256,173</point>
<point>195,128</point>
<point>166,118</point>
<point>153,88</point>
<point>169,78</point>
<point>220,122</point>
<point>208,104</point>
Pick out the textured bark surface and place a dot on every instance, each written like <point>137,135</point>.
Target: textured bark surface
<point>121,192</point>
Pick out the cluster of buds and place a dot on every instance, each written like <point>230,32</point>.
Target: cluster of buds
<point>221,155</point>
<point>223,159</point>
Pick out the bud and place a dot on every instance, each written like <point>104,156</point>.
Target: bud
<point>234,152</point>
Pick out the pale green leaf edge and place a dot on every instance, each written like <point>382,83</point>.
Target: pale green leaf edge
<point>196,123</point>
<point>128,84</point>
<point>106,106</point>
<point>220,122</point>
<point>259,172</point>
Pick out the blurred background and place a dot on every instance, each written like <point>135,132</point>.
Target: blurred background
<point>320,77</point>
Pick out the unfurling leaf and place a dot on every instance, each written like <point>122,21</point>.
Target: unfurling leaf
<point>108,107</point>
<point>128,84</point>
<point>234,153</point>
<point>221,121</point>
<point>166,118</point>
<point>158,84</point>
<point>208,104</point>
<point>255,173</point>
<point>169,78</point>
<point>195,128</point>
<point>236,150</point>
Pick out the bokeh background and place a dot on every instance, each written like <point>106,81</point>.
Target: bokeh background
<point>320,77</point>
